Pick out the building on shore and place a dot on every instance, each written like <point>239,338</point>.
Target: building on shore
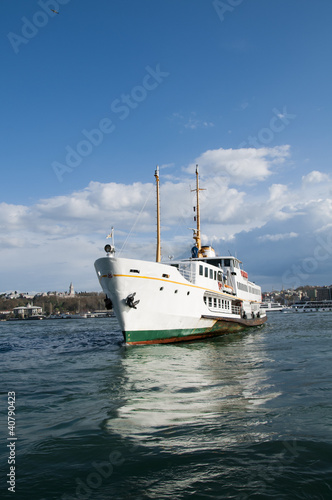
<point>324,293</point>
<point>29,311</point>
<point>5,314</point>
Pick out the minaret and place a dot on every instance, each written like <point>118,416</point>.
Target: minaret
<point>71,290</point>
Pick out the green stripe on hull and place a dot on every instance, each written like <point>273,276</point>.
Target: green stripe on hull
<point>180,335</point>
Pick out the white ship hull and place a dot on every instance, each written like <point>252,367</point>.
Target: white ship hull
<point>170,306</point>
<point>313,306</point>
<point>273,306</point>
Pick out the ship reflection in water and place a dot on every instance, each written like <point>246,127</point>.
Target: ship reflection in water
<point>198,387</point>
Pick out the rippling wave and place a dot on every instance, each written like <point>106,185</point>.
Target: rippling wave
<point>244,416</point>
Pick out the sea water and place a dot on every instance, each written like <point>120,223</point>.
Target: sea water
<point>242,416</point>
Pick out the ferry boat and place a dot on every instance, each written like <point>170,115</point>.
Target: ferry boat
<point>202,296</point>
<point>313,306</point>
<point>270,306</point>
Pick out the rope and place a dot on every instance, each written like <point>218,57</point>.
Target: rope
<point>137,219</point>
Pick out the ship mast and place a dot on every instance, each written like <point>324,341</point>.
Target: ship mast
<point>197,233</point>
<point>156,174</point>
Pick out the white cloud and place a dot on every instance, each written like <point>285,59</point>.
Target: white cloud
<point>241,166</point>
<point>55,241</point>
<point>277,192</point>
<point>315,177</point>
<point>192,122</point>
<point>278,237</point>
<point>12,215</point>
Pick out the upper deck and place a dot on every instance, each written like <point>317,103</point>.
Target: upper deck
<point>222,273</point>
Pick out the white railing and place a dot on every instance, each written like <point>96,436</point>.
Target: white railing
<point>235,309</point>
<point>187,272</point>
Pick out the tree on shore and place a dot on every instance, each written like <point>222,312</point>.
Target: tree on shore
<point>55,304</point>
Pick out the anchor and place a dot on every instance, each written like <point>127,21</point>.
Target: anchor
<point>130,300</point>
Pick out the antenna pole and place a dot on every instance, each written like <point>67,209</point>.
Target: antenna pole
<point>197,234</point>
<point>198,230</point>
<point>156,174</point>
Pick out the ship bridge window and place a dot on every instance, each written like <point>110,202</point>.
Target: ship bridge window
<point>211,274</point>
<point>201,270</point>
<point>242,287</point>
<point>206,272</point>
<point>214,262</point>
<point>227,262</point>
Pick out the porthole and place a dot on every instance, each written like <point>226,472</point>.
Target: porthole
<point>161,288</point>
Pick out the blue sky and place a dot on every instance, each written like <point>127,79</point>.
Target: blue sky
<point>93,98</point>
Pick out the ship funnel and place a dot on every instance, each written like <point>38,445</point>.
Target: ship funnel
<point>207,252</point>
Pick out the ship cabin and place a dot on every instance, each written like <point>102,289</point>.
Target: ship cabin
<point>222,274</point>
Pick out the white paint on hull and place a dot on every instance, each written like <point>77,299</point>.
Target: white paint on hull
<point>167,300</point>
